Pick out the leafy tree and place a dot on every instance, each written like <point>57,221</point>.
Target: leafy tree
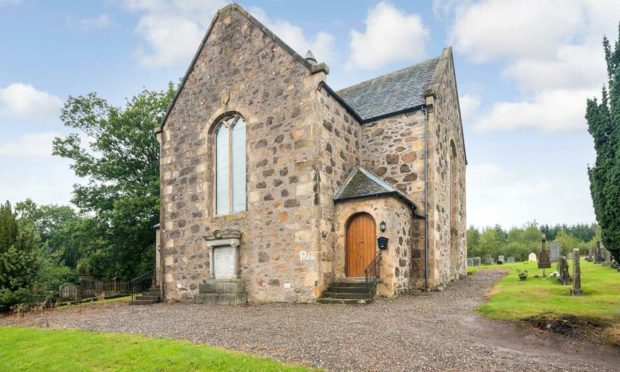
<point>473,240</point>
<point>19,264</point>
<point>120,160</point>
<point>8,227</point>
<point>604,125</point>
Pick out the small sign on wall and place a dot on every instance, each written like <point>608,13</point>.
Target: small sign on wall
<point>306,256</point>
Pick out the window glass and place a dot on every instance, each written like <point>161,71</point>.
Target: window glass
<point>222,170</point>
<point>238,166</point>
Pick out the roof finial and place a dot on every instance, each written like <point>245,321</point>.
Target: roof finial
<point>310,57</point>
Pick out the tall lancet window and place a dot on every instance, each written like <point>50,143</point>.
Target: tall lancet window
<point>230,174</point>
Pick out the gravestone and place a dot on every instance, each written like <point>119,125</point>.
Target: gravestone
<point>576,290</point>
<point>543,256</point>
<point>599,256</point>
<point>531,257</point>
<point>569,256</point>
<point>69,292</point>
<point>489,260</point>
<point>511,260</point>
<point>554,251</point>
<point>501,259</point>
<point>470,262</point>
<point>606,257</point>
<point>564,277</point>
<point>477,261</point>
<point>590,257</point>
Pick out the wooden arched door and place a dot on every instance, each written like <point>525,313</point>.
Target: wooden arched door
<point>360,244</point>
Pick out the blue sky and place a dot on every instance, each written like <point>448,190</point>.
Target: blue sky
<point>524,71</point>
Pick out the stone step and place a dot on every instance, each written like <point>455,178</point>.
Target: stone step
<point>229,286</point>
<point>352,295</point>
<point>343,301</point>
<point>347,289</point>
<point>348,285</point>
<point>139,301</point>
<point>148,296</point>
<point>221,298</point>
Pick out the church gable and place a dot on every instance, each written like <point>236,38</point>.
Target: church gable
<point>245,47</point>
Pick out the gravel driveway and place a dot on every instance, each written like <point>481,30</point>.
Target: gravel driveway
<point>432,331</point>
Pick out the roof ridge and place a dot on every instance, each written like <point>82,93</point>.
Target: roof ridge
<point>390,73</point>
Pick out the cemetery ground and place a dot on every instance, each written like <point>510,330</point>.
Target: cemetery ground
<point>546,303</point>
<point>423,331</point>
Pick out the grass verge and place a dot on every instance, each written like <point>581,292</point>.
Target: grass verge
<point>34,349</point>
<point>544,301</point>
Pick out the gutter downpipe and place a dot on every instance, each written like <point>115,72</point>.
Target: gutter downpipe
<point>425,110</point>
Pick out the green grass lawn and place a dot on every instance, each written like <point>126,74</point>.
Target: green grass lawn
<point>32,349</point>
<point>512,299</point>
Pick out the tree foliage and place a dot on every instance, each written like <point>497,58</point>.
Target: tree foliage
<point>604,125</point>
<point>116,151</point>
<point>19,265</point>
<point>519,242</point>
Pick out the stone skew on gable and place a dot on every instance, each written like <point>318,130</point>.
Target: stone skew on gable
<point>308,62</point>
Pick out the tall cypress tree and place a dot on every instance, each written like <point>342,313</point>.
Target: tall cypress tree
<point>604,125</point>
<point>8,227</point>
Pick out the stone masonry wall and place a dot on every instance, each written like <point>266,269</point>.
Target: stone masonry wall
<point>241,69</point>
<point>393,149</point>
<point>339,144</point>
<point>445,126</point>
<point>395,266</point>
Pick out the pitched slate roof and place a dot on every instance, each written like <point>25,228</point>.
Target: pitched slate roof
<point>391,93</point>
<point>361,183</point>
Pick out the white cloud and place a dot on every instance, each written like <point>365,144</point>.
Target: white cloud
<point>551,49</point>
<point>391,36</point>
<point>550,110</point>
<point>497,28</point>
<point>497,195</point>
<point>10,2</point>
<point>469,106</point>
<point>171,30</point>
<point>322,44</point>
<point>23,101</point>
<point>87,24</point>
<point>28,145</point>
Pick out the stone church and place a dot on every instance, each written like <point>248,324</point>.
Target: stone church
<point>277,188</point>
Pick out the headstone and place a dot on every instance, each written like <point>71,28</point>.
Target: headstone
<point>489,260</point>
<point>590,257</point>
<point>564,278</point>
<point>554,251</point>
<point>501,258</point>
<point>576,290</point>
<point>569,256</point>
<point>69,292</point>
<point>543,256</point>
<point>511,259</point>
<point>477,261</point>
<point>599,256</point>
<point>470,262</point>
<point>532,257</point>
<point>606,257</point>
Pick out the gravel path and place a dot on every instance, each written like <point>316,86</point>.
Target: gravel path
<point>433,331</point>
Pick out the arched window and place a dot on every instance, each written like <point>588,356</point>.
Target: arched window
<point>230,174</point>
